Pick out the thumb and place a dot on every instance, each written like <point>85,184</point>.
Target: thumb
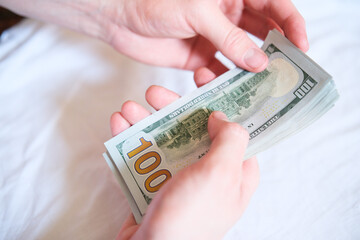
<point>232,41</point>
<point>229,141</point>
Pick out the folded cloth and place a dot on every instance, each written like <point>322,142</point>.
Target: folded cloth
<point>58,90</point>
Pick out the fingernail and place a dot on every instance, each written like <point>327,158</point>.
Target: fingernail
<point>254,58</point>
<point>220,115</point>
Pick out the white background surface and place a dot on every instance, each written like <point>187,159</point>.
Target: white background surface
<point>58,90</point>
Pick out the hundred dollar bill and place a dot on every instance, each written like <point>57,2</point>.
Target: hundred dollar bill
<point>291,93</point>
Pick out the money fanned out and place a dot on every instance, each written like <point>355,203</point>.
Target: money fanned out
<point>287,96</point>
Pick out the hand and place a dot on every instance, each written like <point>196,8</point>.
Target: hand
<point>204,200</point>
<point>172,33</point>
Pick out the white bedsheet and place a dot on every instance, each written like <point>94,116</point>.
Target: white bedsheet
<point>58,90</point>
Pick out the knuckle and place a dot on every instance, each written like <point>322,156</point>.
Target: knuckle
<point>236,130</point>
<point>295,19</point>
<point>301,19</point>
<point>233,39</point>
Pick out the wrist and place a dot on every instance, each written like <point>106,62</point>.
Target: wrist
<point>91,17</point>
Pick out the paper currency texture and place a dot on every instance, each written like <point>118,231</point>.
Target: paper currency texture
<point>288,95</point>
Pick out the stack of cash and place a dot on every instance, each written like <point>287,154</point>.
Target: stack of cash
<point>291,93</point>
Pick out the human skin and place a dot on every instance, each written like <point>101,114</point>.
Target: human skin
<point>184,34</point>
<point>204,200</point>
<point>176,33</point>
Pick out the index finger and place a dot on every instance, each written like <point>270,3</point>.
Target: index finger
<point>285,14</point>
